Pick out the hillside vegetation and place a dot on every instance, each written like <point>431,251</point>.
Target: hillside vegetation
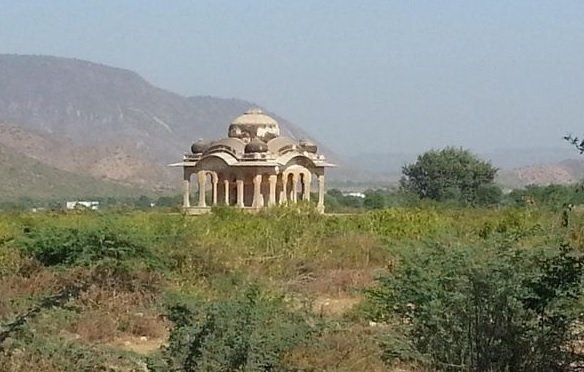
<point>25,177</point>
<point>410,289</point>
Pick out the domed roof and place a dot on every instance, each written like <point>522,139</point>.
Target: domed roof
<point>254,116</point>
<point>256,146</point>
<point>199,147</point>
<point>234,144</point>
<point>254,123</point>
<point>308,146</point>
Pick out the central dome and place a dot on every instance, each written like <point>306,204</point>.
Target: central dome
<point>254,124</point>
<point>254,116</point>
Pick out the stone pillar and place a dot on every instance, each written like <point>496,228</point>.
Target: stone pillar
<point>306,180</point>
<point>226,185</point>
<point>272,199</point>
<point>295,188</point>
<point>283,196</point>
<point>257,191</point>
<point>186,188</point>
<point>202,177</point>
<point>239,184</point>
<point>320,205</point>
<point>215,186</point>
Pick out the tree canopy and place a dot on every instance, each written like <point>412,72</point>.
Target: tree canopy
<point>448,174</point>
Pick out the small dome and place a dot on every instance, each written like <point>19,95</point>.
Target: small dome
<point>199,147</point>
<point>254,116</point>
<point>256,146</point>
<point>308,146</point>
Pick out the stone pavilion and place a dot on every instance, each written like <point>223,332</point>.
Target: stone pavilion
<point>253,168</point>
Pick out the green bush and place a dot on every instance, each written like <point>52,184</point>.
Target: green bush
<point>56,245</point>
<point>491,307</point>
<point>249,333</point>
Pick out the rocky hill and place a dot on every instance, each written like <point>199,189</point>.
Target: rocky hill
<point>563,172</point>
<point>104,122</point>
<point>23,176</point>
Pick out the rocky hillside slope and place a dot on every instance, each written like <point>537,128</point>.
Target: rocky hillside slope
<point>563,172</point>
<point>105,122</point>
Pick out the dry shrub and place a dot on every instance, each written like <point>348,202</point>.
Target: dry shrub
<point>334,307</point>
<point>112,301</point>
<point>116,276</point>
<point>17,290</point>
<point>195,260</point>
<point>34,285</point>
<point>117,290</point>
<point>10,260</point>
<point>114,304</point>
<point>119,312</point>
<point>144,325</point>
<point>103,326</point>
<point>95,326</point>
<point>350,349</point>
<point>351,249</point>
<point>334,283</point>
<point>23,361</point>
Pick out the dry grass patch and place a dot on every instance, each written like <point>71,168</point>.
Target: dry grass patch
<point>109,314</point>
<point>139,345</point>
<point>95,326</point>
<point>23,361</point>
<point>350,349</point>
<point>333,283</point>
<point>351,249</point>
<point>17,291</point>
<point>334,307</point>
<point>147,325</point>
<point>99,326</point>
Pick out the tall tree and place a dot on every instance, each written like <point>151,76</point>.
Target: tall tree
<point>450,173</point>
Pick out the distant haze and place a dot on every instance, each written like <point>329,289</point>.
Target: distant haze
<point>504,159</point>
<point>362,76</point>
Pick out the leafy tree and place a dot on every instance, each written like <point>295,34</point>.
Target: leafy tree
<point>448,174</point>
<point>489,195</point>
<point>374,200</point>
<point>576,142</point>
<point>169,201</point>
<point>335,193</point>
<point>332,203</point>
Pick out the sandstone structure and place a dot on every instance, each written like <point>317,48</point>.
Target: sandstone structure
<point>254,167</point>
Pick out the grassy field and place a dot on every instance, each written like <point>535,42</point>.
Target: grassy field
<point>131,291</point>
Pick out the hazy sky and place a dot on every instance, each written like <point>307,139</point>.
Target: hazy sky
<point>391,76</point>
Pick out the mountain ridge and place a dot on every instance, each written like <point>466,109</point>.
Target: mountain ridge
<point>107,122</point>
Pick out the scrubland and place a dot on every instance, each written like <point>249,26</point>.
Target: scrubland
<point>404,289</point>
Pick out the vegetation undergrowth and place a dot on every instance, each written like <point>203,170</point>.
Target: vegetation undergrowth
<point>289,289</point>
